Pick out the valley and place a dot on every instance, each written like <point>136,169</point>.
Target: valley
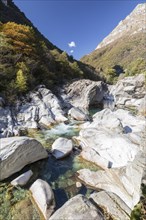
<point>72,133</point>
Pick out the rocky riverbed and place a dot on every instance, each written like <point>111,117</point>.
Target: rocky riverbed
<point>70,163</point>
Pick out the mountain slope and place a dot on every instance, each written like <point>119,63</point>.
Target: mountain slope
<point>28,59</point>
<point>123,50</point>
<point>132,24</point>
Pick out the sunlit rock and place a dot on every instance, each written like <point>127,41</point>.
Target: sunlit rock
<point>44,197</point>
<point>41,109</point>
<point>84,93</point>
<point>62,147</point>
<point>17,152</point>
<point>106,149</point>
<point>125,182</point>
<point>78,207</point>
<point>112,204</point>
<point>78,114</point>
<point>129,92</point>
<point>22,179</point>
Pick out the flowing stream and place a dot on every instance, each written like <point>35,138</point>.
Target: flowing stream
<point>16,202</point>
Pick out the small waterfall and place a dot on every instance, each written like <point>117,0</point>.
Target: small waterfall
<point>62,129</point>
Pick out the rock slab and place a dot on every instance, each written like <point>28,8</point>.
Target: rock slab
<point>17,152</point>
<point>125,182</point>
<point>112,204</point>
<point>106,149</point>
<point>78,207</point>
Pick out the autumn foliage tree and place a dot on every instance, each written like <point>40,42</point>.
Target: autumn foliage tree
<point>21,37</point>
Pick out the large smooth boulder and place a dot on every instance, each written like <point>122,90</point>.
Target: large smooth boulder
<point>78,207</point>
<point>128,92</point>
<point>22,179</point>
<point>44,197</point>
<point>112,204</point>
<point>105,148</point>
<point>125,182</point>
<point>62,147</point>
<point>84,93</point>
<point>17,152</point>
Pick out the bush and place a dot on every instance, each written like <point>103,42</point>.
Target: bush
<point>111,75</point>
<point>136,67</point>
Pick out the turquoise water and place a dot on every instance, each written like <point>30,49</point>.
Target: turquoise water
<point>16,202</point>
<point>47,137</point>
<point>61,174</point>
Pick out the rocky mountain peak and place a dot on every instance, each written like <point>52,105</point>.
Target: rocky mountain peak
<point>132,24</point>
<point>140,8</point>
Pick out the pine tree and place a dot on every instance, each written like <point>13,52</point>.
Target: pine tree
<point>21,81</point>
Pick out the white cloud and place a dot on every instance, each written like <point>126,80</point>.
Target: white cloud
<point>72,44</point>
<point>71,51</point>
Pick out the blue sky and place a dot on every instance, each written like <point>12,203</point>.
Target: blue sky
<point>85,22</point>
